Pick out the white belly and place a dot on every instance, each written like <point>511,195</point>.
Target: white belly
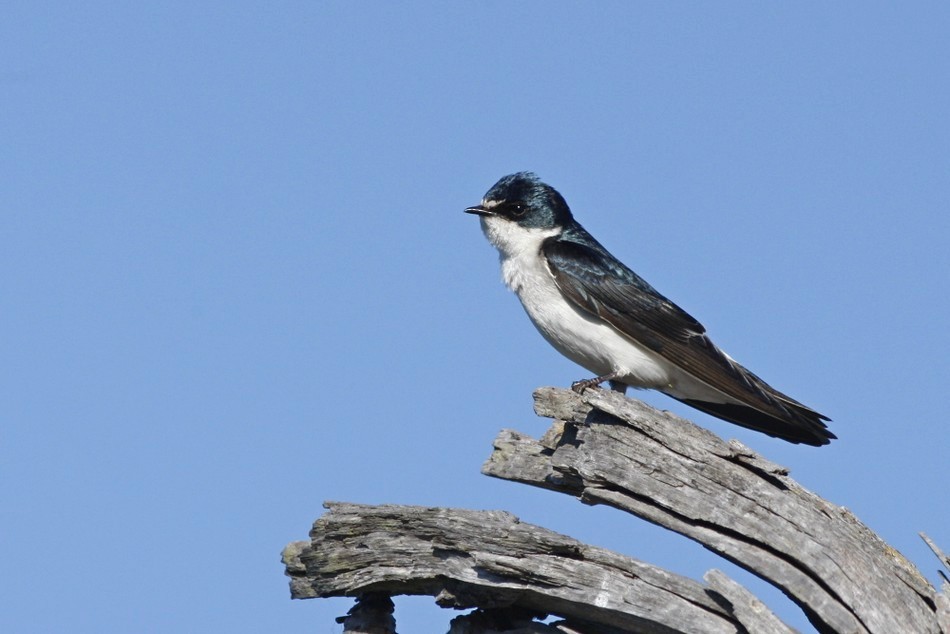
<point>581,337</point>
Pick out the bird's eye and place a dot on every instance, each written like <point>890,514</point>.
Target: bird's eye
<point>517,209</point>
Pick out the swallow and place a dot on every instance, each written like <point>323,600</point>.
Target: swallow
<point>601,315</point>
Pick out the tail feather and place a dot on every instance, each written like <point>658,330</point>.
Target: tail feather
<point>802,425</point>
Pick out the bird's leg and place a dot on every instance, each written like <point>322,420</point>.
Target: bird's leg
<point>580,386</point>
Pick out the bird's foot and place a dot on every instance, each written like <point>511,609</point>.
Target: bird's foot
<point>580,386</point>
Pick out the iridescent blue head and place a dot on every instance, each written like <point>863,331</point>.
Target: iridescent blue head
<point>522,198</point>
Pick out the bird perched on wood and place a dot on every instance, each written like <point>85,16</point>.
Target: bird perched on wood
<point>603,316</point>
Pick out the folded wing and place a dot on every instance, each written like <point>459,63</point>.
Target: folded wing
<point>602,285</point>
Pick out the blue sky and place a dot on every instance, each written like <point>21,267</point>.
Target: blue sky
<point>237,279</point>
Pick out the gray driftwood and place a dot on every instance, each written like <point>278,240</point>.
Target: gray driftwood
<point>607,449</point>
<point>490,559</point>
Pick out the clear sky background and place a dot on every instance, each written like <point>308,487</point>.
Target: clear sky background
<point>237,280</point>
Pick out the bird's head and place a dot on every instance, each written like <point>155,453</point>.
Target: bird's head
<point>520,211</point>
<point>523,199</point>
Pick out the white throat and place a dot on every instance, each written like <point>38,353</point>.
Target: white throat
<point>519,248</point>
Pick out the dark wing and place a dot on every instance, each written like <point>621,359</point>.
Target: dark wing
<point>600,284</point>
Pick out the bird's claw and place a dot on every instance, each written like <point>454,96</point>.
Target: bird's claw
<point>580,386</point>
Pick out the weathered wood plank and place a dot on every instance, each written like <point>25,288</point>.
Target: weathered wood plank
<point>490,559</point>
<point>619,451</point>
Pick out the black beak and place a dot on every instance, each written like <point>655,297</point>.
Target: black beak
<point>479,211</point>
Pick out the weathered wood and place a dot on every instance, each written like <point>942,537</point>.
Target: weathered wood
<point>606,449</point>
<point>941,556</point>
<point>943,608</point>
<point>943,597</point>
<point>619,451</point>
<point>491,560</point>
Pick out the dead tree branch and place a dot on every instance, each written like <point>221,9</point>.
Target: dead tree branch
<point>608,449</point>
<point>490,559</point>
<point>604,448</point>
